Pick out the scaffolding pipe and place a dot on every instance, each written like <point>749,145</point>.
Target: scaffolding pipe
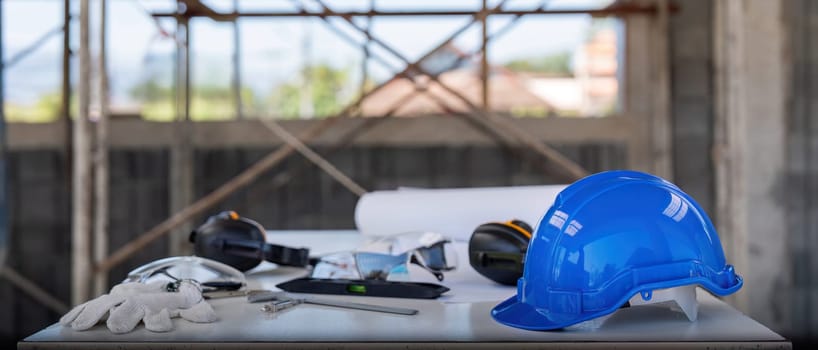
<point>65,101</point>
<point>65,95</point>
<point>181,152</point>
<point>184,80</point>
<point>308,153</point>
<point>238,182</point>
<point>31,48</point>
<point>237,64</point>
<point>344,36</point>
<point>605,12</point>
<point>4,232</point>
<point>364,60</point>
<point>502,126</point>
<point>101,162</point>
<point>484,58</point>
<point>306,105</point>
<point>81,208</point>
<point>348,137</point>
<point>573,170</point>
<point>487,123</point>
<point>32,289</point>
<point>480,126</point>
<point>286,176</point>
<point>247,176</point>
<point>38,43</point>
<point>405,72</point>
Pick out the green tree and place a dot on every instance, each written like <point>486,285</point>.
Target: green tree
<point>157,100</point>
<point>557,64</point>
<point>151,91</point>
<point>45,109</point>
<point>327,85</point>
<point>207,101</point>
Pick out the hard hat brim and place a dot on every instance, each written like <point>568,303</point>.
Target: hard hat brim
<point>512,312</point>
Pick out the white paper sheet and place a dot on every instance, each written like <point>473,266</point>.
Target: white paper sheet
<point>452,212</point>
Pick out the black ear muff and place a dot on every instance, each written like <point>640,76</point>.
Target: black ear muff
<point>497,250</point>
<point>240,243</point>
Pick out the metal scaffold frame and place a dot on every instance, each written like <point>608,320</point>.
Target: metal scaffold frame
<point>91,261</point>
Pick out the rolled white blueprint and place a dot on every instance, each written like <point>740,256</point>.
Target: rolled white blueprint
<point>452,212</point>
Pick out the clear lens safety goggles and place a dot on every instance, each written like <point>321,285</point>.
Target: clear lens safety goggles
<point>209,273</point>
<point>391,258</point>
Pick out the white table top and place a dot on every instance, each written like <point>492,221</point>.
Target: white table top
<point>446,322</point>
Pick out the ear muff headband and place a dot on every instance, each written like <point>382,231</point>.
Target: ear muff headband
<point>516,227</point>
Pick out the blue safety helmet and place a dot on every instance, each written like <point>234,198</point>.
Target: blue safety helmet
<point>608,237</point>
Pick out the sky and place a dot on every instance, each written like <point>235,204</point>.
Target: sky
<point>272,50</point>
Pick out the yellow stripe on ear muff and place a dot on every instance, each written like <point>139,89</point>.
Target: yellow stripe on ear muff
<point>518,228</point>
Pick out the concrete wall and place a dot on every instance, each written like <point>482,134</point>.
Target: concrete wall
<point>744,92</point>
<point>691,69</point>
<point>799,192</point>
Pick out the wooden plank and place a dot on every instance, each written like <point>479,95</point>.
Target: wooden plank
<point>9,320</point>
<point>408,166</point>
<point>59,225</point>
<point>418,131</point>
<point>486,166</point>
<point>35,209</point>
<point>140,200</point>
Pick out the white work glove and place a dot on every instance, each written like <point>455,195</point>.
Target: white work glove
<point>129,303</point>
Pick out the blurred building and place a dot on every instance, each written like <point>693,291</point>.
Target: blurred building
<point>593,89</point>
<point>508,94</point>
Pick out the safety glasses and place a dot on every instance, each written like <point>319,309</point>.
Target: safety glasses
<point>390,259</point>
<point>210,274</point>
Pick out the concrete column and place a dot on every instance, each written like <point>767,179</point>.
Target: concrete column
<point>646,90</point>
<point>752,60</point>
